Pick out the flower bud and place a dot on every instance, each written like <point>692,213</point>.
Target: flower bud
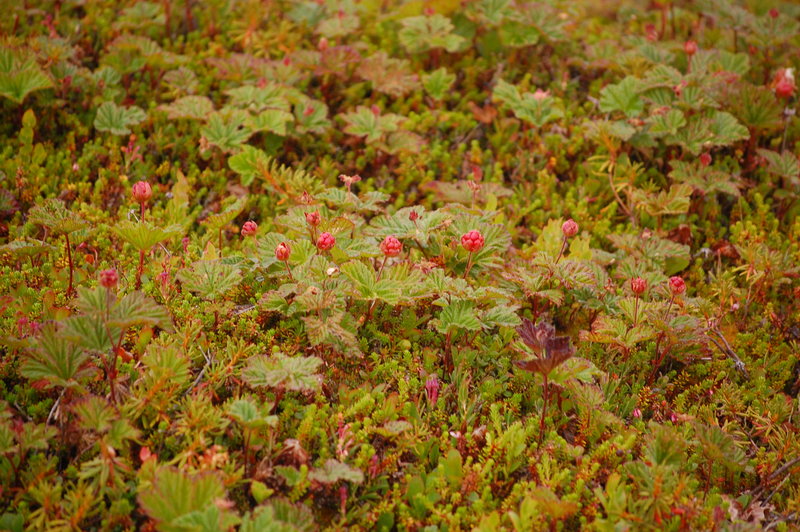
<point>313,218</point>
<point>677,285</point>
<point>249,228</point>
<point>569,228</point>
<point>325,242</point>
<point>142,191</point>
<point>282,252</point>
<point>109,278</point>
<point>638,285</point>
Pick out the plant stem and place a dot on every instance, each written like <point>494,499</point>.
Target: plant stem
<point>469,265</point>
<point>636,311</point>
<point>545,397</point>
<point>288,270</point>
<point>561,252</point>
<point>448,354</point>
<point>139,270</point>
<point>69,259</point>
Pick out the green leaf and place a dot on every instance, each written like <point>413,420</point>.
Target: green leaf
<point>56,360</point>
<point>248,414</point>
<point>249,163</point>
<point>16,86</point>
<point>459,314</point>
<point>783,164</point>
<point>192,107</point>
<point>279,515</point>
<point>227,132</point>
<point>271,120</point>
<point>367,286</point>
<point>538,109</point>
<point>333,471</point>
<point>293,373</point>
<point>363,122</point>
<point>143,235</point>
<point>217,221</point>
<point>211,279</point>
<point>623,97</point>
<point>136,309</point>
<point>423,33</point>
<point>437,84</point>
<point>174,493</point>
<point>117,120</point>
<point>667,124</point>
<point>726,129</point>
<point>53,214</point>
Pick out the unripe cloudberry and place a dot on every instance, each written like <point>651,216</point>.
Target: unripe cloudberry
<point>472,241</point>
<point>690,47</point>
<point>391,247</point>
<point>677,285</point>
<point>638,285</point>
<point>109,278</point>
<point>569,228</point>
<point>282,252</point>
<point>326,241</point>
<point>142,191</point>
<point>249,228</point>
<point>313,218</point>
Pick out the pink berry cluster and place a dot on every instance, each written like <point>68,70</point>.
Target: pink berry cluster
<point>472,241</point>
<point>391,246</point>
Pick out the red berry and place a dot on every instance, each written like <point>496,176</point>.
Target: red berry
<point>472,241</point>
<point>313,218</point>
<point>413,216</point>
<point>690,47</point>
<point>142,191</point>
<point>784,84</point>
<point>773,13</point>
<point>705,159</point>
<point>249,228</point>
<point>109,278</point>
<point>282,252</point>
<point>638,285</point>
<point>677,285</point>
<point>326,241</point>
<point>569,228</point>
<point>391,247</point>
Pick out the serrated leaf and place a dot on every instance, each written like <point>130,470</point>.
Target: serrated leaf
<point>136,309</point>
<point>423,33</point>
<point>726,129</point>
<point>227,132</point>
<point>292,373</point>
<point>143,235</point>
<point>174,493</point>
<point>623,97</point>
<point>333,471</point>
<point>55,360</point>
<point>211,279</point>
<point>459,314</point>
<point>363,122</point>
<point>117,120</point>
<point>192,107</point>
<point>538,109</point>
<point>247,413</point>
<point>53,214</point>
<point>667,124</point>
<point>438,83</point>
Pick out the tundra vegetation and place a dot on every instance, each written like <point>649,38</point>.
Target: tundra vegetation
<point>431,265</point>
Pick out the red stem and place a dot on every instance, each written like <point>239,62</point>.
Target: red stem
<point>69,259</point>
